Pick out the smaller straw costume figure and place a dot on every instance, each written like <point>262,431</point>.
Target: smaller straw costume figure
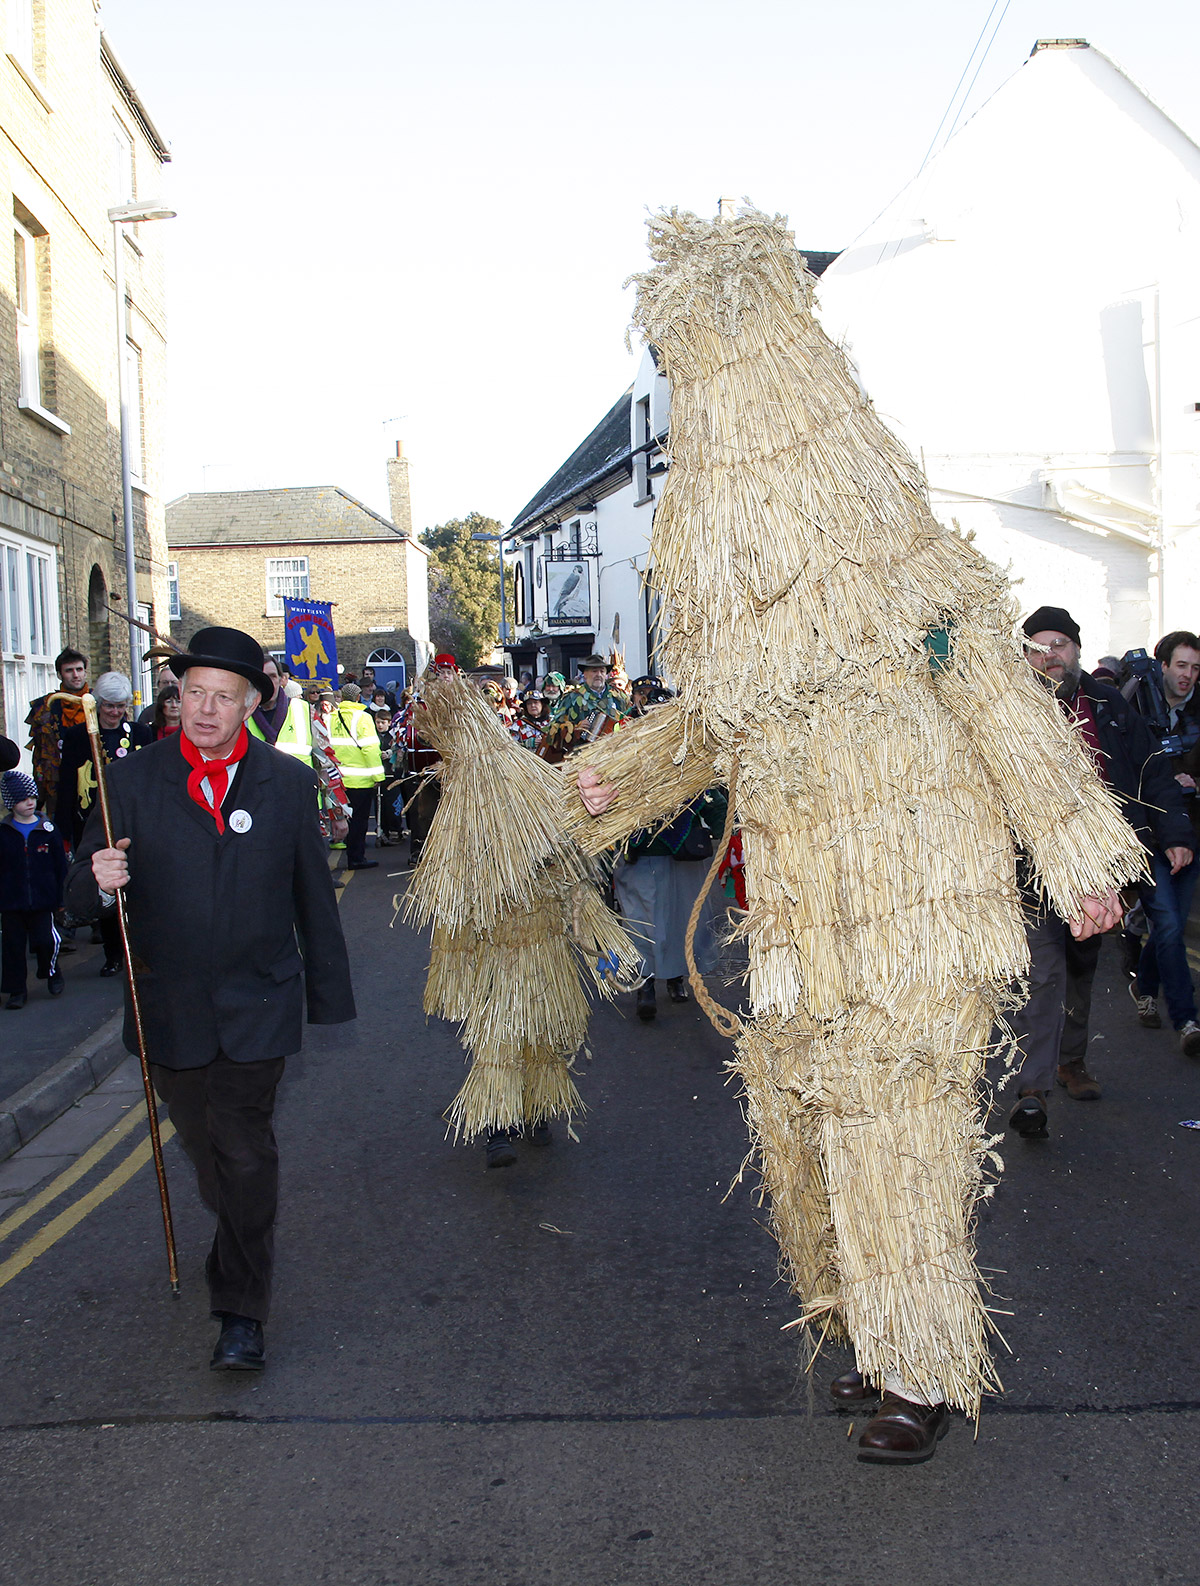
<point>519,925</point>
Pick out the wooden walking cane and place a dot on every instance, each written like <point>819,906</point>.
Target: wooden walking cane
<point>93,731</point>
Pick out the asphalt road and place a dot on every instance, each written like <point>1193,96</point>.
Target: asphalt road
<point>572,1372</point>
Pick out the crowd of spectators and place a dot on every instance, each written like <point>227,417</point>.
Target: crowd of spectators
<point>1138,716</point>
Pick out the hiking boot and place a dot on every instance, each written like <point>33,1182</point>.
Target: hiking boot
<point>500,1150</point>
<point>1077,1082</point>
<point>1189,1039</point>
<point>1147,1008</point>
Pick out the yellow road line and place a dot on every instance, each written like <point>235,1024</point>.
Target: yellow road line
<point>75,1172</point>
<point>73,1215</point>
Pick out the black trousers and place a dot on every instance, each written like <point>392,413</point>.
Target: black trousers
<point>362,802</point>
<point>110,933</point>
<point>223,1113</point>
<point>23,931</point>
<point>421,812</point>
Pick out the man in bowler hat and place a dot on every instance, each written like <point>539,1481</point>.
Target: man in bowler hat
<point>230,902</point>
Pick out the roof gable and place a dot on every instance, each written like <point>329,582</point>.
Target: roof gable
<point>604,450</point>
<point>304,515</point>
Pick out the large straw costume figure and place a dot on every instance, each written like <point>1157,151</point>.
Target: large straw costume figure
<point>848,667</point>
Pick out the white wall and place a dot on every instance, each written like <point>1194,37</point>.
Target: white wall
<point>1015,318</point>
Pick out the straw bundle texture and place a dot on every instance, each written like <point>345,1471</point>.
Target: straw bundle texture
<point>656,765</point>
<point>808,594</point>
<point>519,924</point>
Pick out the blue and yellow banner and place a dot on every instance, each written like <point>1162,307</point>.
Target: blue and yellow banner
<point>310,640</point>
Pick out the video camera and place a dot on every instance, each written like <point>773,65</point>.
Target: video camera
<point>1145,675</point>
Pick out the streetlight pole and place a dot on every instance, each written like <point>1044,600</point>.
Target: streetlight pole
<point>124,215</point>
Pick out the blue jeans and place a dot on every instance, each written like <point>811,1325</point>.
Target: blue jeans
<point>1164,958</point>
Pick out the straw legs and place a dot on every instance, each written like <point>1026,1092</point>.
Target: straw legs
<point>868,1127</point>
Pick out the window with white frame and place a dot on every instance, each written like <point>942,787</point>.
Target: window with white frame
<point>287,579</point>
<point>20,37</point>
<point>28,624</point>
<point>28,333</point>
<point>133,379</point>
<point>122,168</point>
<point>173,608</point>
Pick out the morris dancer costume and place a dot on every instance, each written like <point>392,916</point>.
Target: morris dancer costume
<point>848,668</point>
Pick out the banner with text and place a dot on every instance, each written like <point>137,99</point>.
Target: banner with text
<point>310,640</point>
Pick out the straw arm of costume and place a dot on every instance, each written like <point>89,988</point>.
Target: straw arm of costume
<point>659,765</point>
<point>222,927</point>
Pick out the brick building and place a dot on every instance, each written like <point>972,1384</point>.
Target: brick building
<point>78,140</point>
<point>235,555</point>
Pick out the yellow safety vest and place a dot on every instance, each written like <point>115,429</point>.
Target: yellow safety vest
<point>354,741</point>
<point>295,736</point>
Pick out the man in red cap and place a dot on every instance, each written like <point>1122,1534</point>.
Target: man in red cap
<point>230,902</point>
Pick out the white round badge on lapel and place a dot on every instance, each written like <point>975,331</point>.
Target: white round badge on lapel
<point>240,821</point>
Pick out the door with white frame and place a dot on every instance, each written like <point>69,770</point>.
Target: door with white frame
<point>28,629</point>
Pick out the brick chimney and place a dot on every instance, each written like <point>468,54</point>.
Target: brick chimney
<point>397,477</point>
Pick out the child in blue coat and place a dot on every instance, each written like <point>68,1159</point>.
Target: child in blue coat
<point>32,869</point>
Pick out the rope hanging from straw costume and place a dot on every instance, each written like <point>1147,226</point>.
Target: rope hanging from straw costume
<point>722,1019</point>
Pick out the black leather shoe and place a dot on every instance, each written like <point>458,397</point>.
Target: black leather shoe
<point>539,1134</point>
<point>500,1150</point>
<point>851,1388</point>
<point>677,989</point>
<point>240,1346</point>
<point>647,1007</point>
<point>903,1433</point>
<point>16,1001</point>
<point>54,985</point>
<point>107,971</point>
<point>1028,1117</point>
<point>364,864</point>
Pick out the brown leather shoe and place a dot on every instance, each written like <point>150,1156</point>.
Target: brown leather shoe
<point>1077,1082</point>
<point>903,1433</point>
<point>851,1388</point>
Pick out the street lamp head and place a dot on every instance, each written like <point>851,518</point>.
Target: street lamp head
<point>150,209</point>
<point>487,536</point>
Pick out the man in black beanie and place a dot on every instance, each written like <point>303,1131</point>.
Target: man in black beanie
<point>1052,1027</point>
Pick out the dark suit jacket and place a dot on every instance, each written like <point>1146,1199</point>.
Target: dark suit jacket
<point>221,927</point>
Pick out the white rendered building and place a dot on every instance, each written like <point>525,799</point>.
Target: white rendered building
<point>1026,316</point>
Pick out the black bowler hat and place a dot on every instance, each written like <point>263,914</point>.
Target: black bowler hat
<point>229,650</point>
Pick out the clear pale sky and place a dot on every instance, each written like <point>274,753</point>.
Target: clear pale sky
<point>415,220</point>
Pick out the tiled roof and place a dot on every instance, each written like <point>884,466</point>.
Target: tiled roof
<point>817,261</point>
<point>270,517</point>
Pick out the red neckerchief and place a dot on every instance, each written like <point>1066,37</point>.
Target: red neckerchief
<point>216,772</point>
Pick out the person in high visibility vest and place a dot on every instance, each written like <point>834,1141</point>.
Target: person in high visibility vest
<point>354,741</point>
<point>285,723</point>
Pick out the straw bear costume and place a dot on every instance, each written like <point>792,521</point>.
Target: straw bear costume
<point>848,668</point>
